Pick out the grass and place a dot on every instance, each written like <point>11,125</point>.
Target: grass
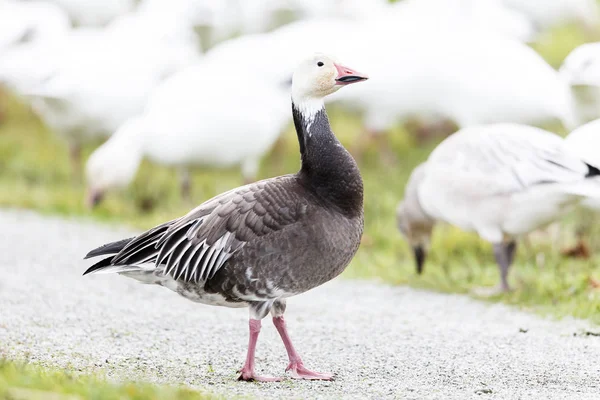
<point>35,174</point>
<point>27,382</point>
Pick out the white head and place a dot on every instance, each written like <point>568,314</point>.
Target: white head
<point>114,164</point>
<point>318,77</point>
<point>582,66</point>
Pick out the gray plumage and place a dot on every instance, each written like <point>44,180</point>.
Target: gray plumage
<point>261,242</point>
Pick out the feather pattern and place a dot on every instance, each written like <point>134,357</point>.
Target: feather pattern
<point>195,247</point>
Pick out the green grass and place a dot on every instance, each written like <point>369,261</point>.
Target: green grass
<point>28,382</point>
<point>35,174</point>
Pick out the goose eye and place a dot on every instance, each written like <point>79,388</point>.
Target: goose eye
<point>320,64</point>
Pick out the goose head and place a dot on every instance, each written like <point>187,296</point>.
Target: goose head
<point>320,76</point>
<point>113,165</point>
<point>582,66</point>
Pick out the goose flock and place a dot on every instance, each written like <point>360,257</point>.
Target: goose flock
<point>207,83</point>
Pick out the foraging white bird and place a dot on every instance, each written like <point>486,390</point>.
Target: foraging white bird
<point>585,142</point>
<point>191,120</point>
<point>581,70</point>
<point>95,12</point>
<point>501,181</point>
<point>547,14</point>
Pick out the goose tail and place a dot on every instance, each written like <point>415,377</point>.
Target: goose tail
<point>104,265</point>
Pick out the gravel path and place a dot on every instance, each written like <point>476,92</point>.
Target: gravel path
<point>383,342</point>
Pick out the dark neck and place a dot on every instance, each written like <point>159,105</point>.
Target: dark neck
<point>327,167</point>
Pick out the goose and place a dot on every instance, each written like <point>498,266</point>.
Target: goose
<point>501,181</point>
<point>96,79</point>
<point>257,245</point>
<point>581,70</point>
<point>188,122</point>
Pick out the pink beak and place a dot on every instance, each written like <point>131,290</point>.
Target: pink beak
<point>347,75</point>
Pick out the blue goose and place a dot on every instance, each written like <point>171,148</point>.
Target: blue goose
<point>257,245</point>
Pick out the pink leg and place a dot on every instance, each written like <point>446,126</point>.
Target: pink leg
<point>296,365</point>
<point>247,371</point>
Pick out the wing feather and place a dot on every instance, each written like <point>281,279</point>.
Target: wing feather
<point>195,247</point>
<point>505,158</point>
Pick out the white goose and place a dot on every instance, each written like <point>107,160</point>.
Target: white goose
<point>501,181</point>
<point>97,79</point>
<point>191,121</point>
<point>581,70</point>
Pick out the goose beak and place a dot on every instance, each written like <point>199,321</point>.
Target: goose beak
<point>346,75</point>
<point>93,198</point>
<point>420,254</point>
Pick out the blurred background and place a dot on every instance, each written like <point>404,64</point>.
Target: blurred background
<point>134,111</point>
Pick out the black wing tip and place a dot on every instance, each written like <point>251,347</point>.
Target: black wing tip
<point>109,248</point>
<point>592,171</point>
<point>105,262</point>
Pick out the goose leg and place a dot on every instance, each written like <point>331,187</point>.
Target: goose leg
<point>296,366</point>
<point>504,253</point>
<point>247,372</point>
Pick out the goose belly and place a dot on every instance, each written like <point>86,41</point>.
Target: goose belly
<point>291,262</point>
<point>191,291</point>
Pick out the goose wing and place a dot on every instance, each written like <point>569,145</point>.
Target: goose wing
<point>194,247</point>
<point>507,158</point>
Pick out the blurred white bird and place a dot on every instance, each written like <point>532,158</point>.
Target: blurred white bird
<point>467,78</point>
<point>501,181</point>
<point>581,70</point>
<point>94,12</point>
<point>192,120</point>
<point>547,14</point>
<point>90,82</point>
<point>487,16</point>
<point>30,21</point>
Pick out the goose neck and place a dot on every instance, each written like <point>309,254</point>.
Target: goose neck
<point>327,167</point>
